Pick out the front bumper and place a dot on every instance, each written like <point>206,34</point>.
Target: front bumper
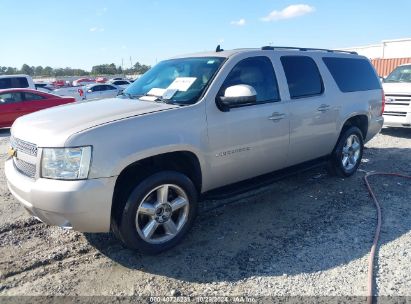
<point>83,205</point>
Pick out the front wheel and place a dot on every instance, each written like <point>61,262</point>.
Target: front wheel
<point>347,155</point>
<point>159,212</point>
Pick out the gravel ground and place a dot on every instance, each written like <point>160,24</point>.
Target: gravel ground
<point>306,235</point>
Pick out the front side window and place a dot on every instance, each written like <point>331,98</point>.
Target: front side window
<point>257,72</point>
<point>95,88</point>
<point>8,98</point>
<point>400,74</point>
<point>303,76</point>
<point>179,81</point>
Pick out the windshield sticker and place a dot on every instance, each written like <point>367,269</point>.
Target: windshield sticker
<point>169,94</point>
<point>156,92</point>
<point>149,98</point>
<point>210,62</point>
<point>182,83</point>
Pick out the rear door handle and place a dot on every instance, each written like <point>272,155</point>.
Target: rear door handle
<point>323,108</point>
<point>276,116</point>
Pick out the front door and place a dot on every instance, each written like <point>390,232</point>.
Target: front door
<point>11,107</point>
<point>250,140</point>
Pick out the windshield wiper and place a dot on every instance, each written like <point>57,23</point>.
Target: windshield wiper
<point>158,99</point>
<point>129,96</point>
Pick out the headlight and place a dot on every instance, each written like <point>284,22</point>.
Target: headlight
<point>66,163</point>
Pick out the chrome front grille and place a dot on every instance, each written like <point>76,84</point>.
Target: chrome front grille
<point>24,168</point>
<point>23,146</point>
<point>394,113</point>
<point>398,100</point>
<point>26,158</point>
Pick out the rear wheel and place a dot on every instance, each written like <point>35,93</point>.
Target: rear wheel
<point>158,213</point>
<point>347,155</point>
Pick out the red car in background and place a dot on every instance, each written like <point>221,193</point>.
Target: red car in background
<point>18,102</point>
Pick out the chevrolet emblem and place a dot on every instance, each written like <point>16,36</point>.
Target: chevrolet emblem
<point>12,152</point>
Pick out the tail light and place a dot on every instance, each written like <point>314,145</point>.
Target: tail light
<point>81,92</point>
<point>383,102</point>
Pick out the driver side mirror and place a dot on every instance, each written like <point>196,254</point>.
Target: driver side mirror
<point>236,96</point>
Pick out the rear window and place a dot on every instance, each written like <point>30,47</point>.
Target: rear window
<point>352,74</point>
<point>303,77</point>
<point>13,82</point>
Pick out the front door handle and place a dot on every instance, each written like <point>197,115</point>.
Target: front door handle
<point>276,116</point>
<point>323,108</point>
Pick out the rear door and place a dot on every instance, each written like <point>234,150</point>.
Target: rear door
<point>11,107</point>
<point>313,112</point>
<point>34,102</point>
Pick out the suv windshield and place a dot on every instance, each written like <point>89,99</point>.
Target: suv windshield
<point>400,74</point>
<point>180,81</point>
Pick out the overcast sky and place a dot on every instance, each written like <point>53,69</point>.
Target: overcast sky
<point>80,34</point>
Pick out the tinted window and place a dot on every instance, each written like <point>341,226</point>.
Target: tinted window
<point>97,88</point>
<point>303,76</point>
<point>120,82</point>
<point>31,96</point>
<point>13,82</point>
<point>109,87</point>
<point>8,98</point>
<point>352,74</point>
<point>257,72</point>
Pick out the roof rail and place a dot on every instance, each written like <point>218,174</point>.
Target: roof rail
<point>272,48</point>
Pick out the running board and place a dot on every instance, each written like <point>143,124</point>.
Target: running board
<point>260,181</point>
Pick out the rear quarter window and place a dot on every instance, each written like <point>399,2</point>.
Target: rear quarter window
<point>352,74</point>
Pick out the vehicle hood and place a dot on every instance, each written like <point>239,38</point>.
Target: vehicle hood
<point>397,88</point>
<point>52,127</point>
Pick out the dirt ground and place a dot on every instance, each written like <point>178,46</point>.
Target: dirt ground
<point>309,234</point>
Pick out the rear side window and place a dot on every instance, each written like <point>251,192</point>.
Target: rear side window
<point>31,96</point>
<point>352,74</point>
<point>303,76</point>
<point>13,82</point>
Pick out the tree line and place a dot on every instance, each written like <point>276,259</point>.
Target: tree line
<point>102,69</point>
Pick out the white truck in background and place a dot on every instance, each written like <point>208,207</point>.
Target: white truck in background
<point>397,88</point>
<point>16,81</point>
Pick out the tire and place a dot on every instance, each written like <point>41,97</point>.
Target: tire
<point>347,154</point>
<point>158,213</point>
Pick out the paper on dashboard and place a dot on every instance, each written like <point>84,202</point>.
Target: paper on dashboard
<point>182,83</point>
<point>156,92</point>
